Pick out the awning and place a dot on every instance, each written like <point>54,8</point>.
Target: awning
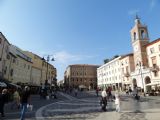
<point>14,85</point>
<point>153,84</point>
<point>82,86</point>
<point>2,84</point>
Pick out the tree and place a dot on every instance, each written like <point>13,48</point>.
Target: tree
<point>106,61</point>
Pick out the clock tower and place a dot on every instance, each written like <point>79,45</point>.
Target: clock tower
<point>140,38</point>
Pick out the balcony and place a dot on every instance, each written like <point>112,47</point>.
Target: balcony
<point>154,69</point>
<point>126,74</point>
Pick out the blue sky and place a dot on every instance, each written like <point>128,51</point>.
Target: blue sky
<point>76,31</point>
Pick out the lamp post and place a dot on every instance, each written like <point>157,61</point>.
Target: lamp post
<point>48,59</point>
<point>140,65</point>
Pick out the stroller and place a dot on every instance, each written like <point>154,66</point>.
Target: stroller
<point>103,103</point>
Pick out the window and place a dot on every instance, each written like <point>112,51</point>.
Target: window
<point>6,48</point>
<point>11,72</point>
<point>122,70</point>
<point>14,60</point>
<point>24,65</point>
<point>28,67</point>
<point>127,69</point>
<point>8,57</point>
<point>134,36</point>
<point>5,70</point>
<point>154,61</point>
<point>155,74</point>
<point>152,50</point>
<point>142,34</point>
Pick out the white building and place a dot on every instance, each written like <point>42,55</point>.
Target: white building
<point>109,74</point>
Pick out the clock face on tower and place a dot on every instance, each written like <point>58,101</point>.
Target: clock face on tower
<point>135,48</point>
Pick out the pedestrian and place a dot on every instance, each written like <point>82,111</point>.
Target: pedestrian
<point>3,100</point>
<point>130,90</point>
<point>117,102</point>
<point>16,99</point>
<point>97,90</point>
<point>103,101</point>
<point>109,93</point>
<point>76,92</point>
<point>25,99</point>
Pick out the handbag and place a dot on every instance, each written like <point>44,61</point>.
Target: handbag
<point>29,107</point>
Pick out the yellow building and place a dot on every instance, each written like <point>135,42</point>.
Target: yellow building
<point>36,68</point>
<point>41,70</point>
<point>19,63</point>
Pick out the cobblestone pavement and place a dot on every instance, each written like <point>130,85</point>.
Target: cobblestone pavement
<point>71,109</point>
<point>133,116</point>
<point>14,114</point>
<point>86,107</point>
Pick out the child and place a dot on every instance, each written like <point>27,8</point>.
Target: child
<point>117,102</point>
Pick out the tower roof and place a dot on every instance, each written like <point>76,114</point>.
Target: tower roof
<point>137,19</point>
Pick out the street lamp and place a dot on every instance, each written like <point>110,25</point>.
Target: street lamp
<point>140,65</point>
<point>48,59</point>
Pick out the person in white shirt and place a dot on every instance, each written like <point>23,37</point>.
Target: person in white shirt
<point>104,94</point>
<point>104,100</point>
<point>117,102</point>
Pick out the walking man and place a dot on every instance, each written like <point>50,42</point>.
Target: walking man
<point>104,100</point>
<point>25,99</point>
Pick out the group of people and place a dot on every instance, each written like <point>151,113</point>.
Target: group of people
<point>20,100</point>
<point>107,95</point>
<point>46,93</point>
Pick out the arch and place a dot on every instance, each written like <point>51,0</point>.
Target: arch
<point>134,81</point>
<point>147,80</point>
<point>92,85</point>
<point>143,35</point>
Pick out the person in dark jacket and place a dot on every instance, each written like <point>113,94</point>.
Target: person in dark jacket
<point>3,100</point>
<point>25,99</point>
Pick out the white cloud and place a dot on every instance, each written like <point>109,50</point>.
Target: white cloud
<point>65,57</point>
<point>133,11</point>
<point>152,4</point>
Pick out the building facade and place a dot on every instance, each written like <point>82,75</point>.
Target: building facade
<point>81,75</point>
<point>41,70</point>
<point>127,66</point>
<point>4,52</point>
<point>137,69</point>
<point>109,74</point>
<point>20,67</point>
<point>140,38</point>
<point>153,53</point>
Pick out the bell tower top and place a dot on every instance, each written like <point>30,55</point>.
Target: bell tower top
<point>139,31</point>
<point>137,20</point>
